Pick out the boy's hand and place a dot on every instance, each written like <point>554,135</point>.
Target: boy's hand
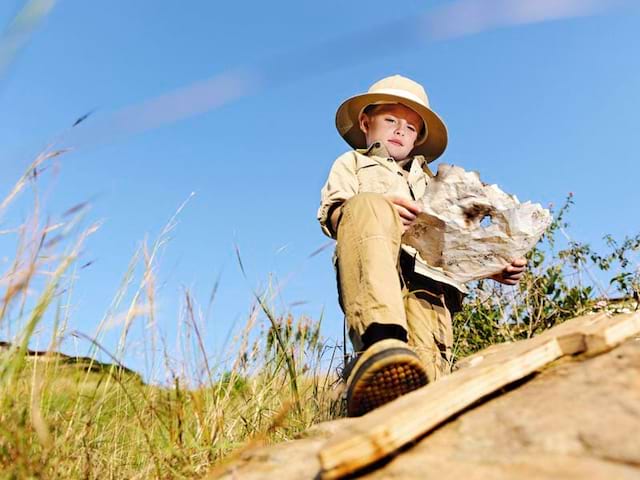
<point>407,209</point>
<point>512,273</point>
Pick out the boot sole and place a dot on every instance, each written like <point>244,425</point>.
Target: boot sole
<point>382,378</point>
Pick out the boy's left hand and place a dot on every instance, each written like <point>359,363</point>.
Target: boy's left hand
<point>512,273</point>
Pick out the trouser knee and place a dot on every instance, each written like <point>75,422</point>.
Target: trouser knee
<point>369,235</point>
<point>372,209</point>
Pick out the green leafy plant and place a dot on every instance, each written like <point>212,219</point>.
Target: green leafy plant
<point>559,284</point>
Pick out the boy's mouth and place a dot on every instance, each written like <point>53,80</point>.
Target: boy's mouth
<point>396,142</point>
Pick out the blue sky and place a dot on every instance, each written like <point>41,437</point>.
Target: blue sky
<point>542,109</point>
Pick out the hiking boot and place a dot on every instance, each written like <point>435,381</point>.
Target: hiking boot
<point>384,371</point>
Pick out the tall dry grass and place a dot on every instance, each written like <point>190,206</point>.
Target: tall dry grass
<point>64,417</point>
<point>67,417</point>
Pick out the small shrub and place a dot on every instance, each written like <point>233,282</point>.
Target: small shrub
<point>558,285</point>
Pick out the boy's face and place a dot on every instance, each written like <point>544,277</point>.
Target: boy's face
<point>395,125</point>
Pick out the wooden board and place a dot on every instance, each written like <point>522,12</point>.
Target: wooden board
<point>383,431</point>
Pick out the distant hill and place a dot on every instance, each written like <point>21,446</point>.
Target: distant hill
<point>81,363</point>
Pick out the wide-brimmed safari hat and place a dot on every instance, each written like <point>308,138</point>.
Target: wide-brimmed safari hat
<point>394,89</point>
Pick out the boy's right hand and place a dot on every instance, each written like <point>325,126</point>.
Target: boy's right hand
<point>407,209</point>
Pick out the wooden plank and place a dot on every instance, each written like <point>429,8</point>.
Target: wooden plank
<point>569,333</point>
<point>388,428</point>
<point>605,336</point>
<point>596,334</point>
<point>483,356</point>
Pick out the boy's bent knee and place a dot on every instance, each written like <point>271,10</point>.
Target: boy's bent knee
<point>368,198</point>
<point>369,209</point>
<point>370,203</point>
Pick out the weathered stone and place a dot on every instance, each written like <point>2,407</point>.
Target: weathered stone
<point>579,419</point>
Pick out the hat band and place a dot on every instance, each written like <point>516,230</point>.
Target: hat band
<point>402,94</point>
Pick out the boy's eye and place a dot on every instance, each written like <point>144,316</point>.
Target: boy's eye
<point>411,127</point>
<point>390,119</point>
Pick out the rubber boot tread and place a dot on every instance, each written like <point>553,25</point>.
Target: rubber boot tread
<point>382,378</point>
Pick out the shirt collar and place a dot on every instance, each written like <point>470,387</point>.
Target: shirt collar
<point>377,149</point>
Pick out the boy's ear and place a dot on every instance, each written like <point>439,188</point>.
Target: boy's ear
<point>364,122</point>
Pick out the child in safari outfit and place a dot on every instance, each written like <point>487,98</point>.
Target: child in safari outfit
<point>398,308</point>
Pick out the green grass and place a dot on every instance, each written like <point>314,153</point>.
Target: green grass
<point>67,418</point>
<point>62,421</point>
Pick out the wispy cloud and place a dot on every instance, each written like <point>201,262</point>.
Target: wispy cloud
<point>193,99</point>
<point>469,17</point>
<point>20,30</point>
<point>454,20</point>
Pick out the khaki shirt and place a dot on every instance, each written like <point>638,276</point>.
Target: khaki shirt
<point>373,170</point>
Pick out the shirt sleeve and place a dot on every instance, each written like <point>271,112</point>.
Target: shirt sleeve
<point>341,185</point>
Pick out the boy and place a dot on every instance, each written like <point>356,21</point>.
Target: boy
<point>397,307</point>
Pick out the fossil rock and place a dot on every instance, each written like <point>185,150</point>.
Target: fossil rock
<point>472,230</point>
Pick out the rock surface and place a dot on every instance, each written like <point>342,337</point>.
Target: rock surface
<point>579,418</point>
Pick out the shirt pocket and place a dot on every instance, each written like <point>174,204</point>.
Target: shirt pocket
<point>374,178</point>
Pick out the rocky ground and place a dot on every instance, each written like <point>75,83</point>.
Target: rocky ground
<point>578,418</point>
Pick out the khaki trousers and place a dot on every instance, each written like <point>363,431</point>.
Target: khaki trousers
<point>376,283</point>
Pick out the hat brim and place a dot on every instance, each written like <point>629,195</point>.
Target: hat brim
<point>348,125</point>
